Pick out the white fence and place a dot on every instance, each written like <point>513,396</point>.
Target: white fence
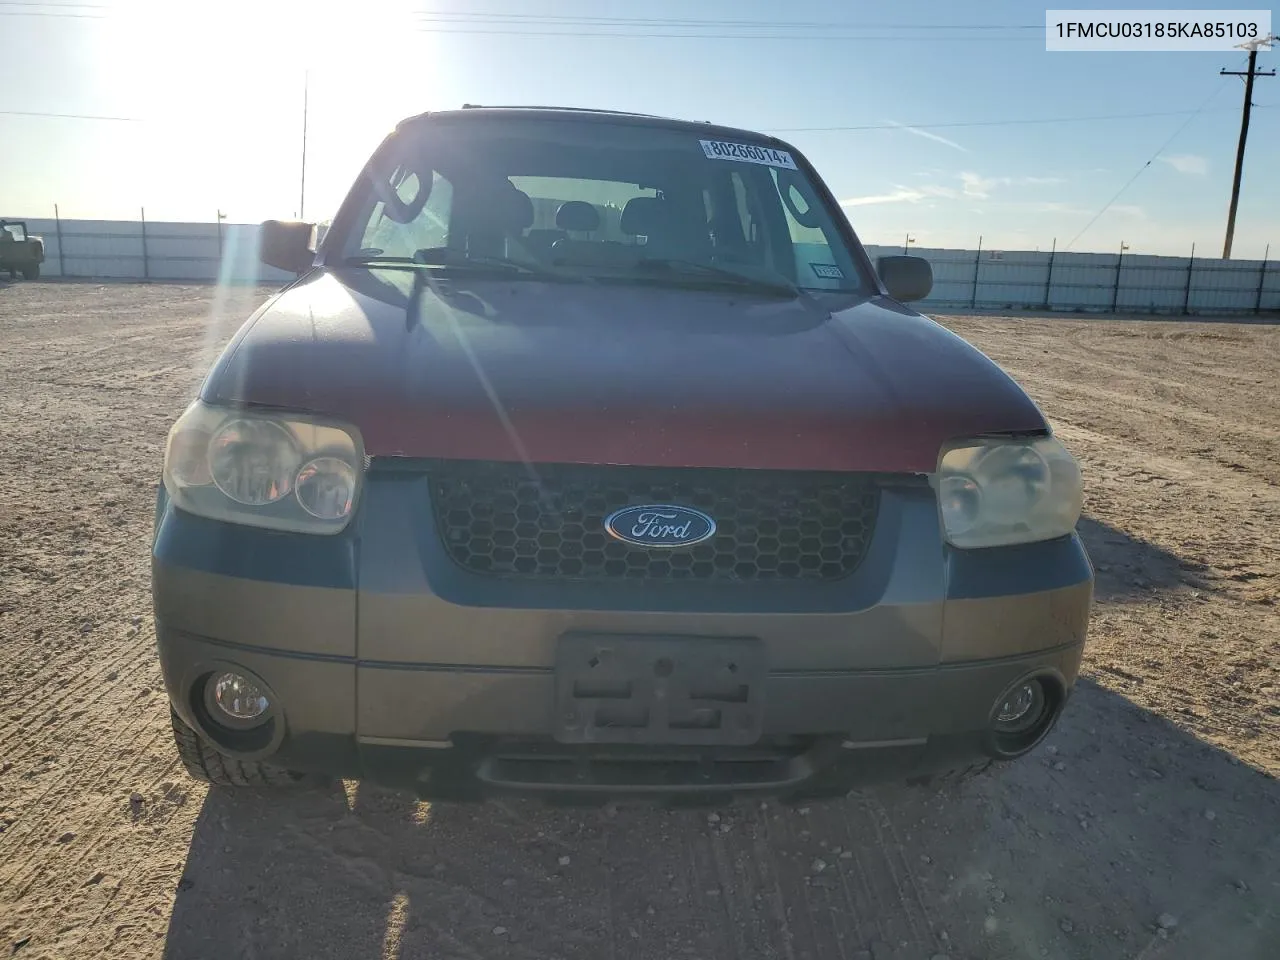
<point>153,250</point>
<point>985,279</point>
<point>1128,283</point>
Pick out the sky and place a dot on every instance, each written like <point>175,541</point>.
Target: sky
<point>210,97</point>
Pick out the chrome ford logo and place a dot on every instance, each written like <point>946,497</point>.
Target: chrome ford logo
<point>660,525</point>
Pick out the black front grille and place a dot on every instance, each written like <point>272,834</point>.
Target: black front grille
<point>547,522</point>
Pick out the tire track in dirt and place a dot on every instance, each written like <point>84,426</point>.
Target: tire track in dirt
<point>116,658</point>
<point>66,880</point>
<point>906,888</point>
<point>66,887</point>
<point>175,799</point>
<point>77,792</point>
<point>735,894</point>
<point>155,841</point>
<point>129,648</point>
<point>113,614</point>
<point>788,836</point>
<point>42,838</point>
<point>46,824</point>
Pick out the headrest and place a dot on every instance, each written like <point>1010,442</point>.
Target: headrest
<point>519,207</point>
<point>504,208</point>
<point>644,216</point>
<point>578,215</point>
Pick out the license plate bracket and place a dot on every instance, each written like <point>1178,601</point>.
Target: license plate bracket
<point>694,691</point>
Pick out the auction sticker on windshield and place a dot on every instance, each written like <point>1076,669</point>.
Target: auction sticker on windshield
<point>747,153</point>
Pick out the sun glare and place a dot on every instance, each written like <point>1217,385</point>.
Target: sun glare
<point>221,91</point>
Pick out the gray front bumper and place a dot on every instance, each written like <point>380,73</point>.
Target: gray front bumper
<point>374,639</point>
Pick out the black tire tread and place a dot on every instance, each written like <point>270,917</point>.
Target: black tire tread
<point>204,762</point>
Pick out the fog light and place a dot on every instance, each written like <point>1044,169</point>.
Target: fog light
<point>1021,709</point>
<point>237,698</point>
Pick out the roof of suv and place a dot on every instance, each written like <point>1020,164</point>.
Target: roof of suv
<point>586,115</point>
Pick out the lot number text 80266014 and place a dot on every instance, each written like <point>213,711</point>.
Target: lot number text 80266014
<point>748,153</point>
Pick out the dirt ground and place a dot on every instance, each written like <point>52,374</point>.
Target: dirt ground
<point>1147,827</point>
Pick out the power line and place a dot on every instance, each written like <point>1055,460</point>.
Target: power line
<point>71,10</point>
<point>496,18</point>
<point>855,128</point>
<point>67,116</point>
<point>989,123</point>
<point>1142,169</point>
<point>846,38</point>
<point>517,25</point>
<point>65,16</point>
<point>474,17</point>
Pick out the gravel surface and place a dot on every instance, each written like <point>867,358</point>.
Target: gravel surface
<point>1146,826</point>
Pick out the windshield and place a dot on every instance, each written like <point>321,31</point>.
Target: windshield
<point>597,200</point>
<point>13,231</point>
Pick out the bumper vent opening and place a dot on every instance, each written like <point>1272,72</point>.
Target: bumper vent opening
<point>535,765</point>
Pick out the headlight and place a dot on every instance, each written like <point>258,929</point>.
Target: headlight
<point>284,472</point>
<point>326,488</point>
<point>1000,492</point>
<point>253,462</point>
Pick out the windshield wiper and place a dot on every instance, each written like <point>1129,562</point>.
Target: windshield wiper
<point>438,258</point>
<point>446,257</point>
<point>776,284</point>
<point>379,261</point>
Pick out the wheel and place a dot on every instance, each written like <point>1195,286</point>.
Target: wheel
<point>31,272</point>
<point>204,762</point>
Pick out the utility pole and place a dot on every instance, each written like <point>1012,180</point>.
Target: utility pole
<point>302,188</point>
<point>1252,46</point>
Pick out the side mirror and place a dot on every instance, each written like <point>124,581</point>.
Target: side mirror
<point>906,278</point>
<point>287,245</point>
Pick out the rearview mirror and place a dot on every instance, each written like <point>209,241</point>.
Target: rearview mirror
<point>906,278</point>
<point>287,245</point>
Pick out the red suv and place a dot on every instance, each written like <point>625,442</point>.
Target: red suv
<point>590,455</point>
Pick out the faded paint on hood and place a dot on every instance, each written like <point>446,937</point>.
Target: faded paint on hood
<point>603,373</point>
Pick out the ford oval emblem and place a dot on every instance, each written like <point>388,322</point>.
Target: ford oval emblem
<point>663,525</point>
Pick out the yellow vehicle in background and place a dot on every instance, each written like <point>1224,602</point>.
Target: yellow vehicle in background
<point>20,253</point>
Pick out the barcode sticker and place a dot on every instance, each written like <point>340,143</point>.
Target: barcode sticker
<point>747,153</point>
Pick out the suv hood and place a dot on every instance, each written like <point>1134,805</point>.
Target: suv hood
<point>602,373</point>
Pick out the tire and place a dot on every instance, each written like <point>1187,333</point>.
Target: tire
<point>203,762</point>
<point>31,272</point>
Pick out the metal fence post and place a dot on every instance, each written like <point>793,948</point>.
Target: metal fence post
<point>57,229</point>
<point>1186,296</point>
<point>1048,280</point>
<point>1115,293</point>
<point>146,266</point>
<point>977,264</point>
<point>1262,279</point>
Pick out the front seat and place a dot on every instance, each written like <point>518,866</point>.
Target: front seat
<point>578,216</point>
<point>489,218</point>
<point>572,216</point>
<point>668,230</point>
